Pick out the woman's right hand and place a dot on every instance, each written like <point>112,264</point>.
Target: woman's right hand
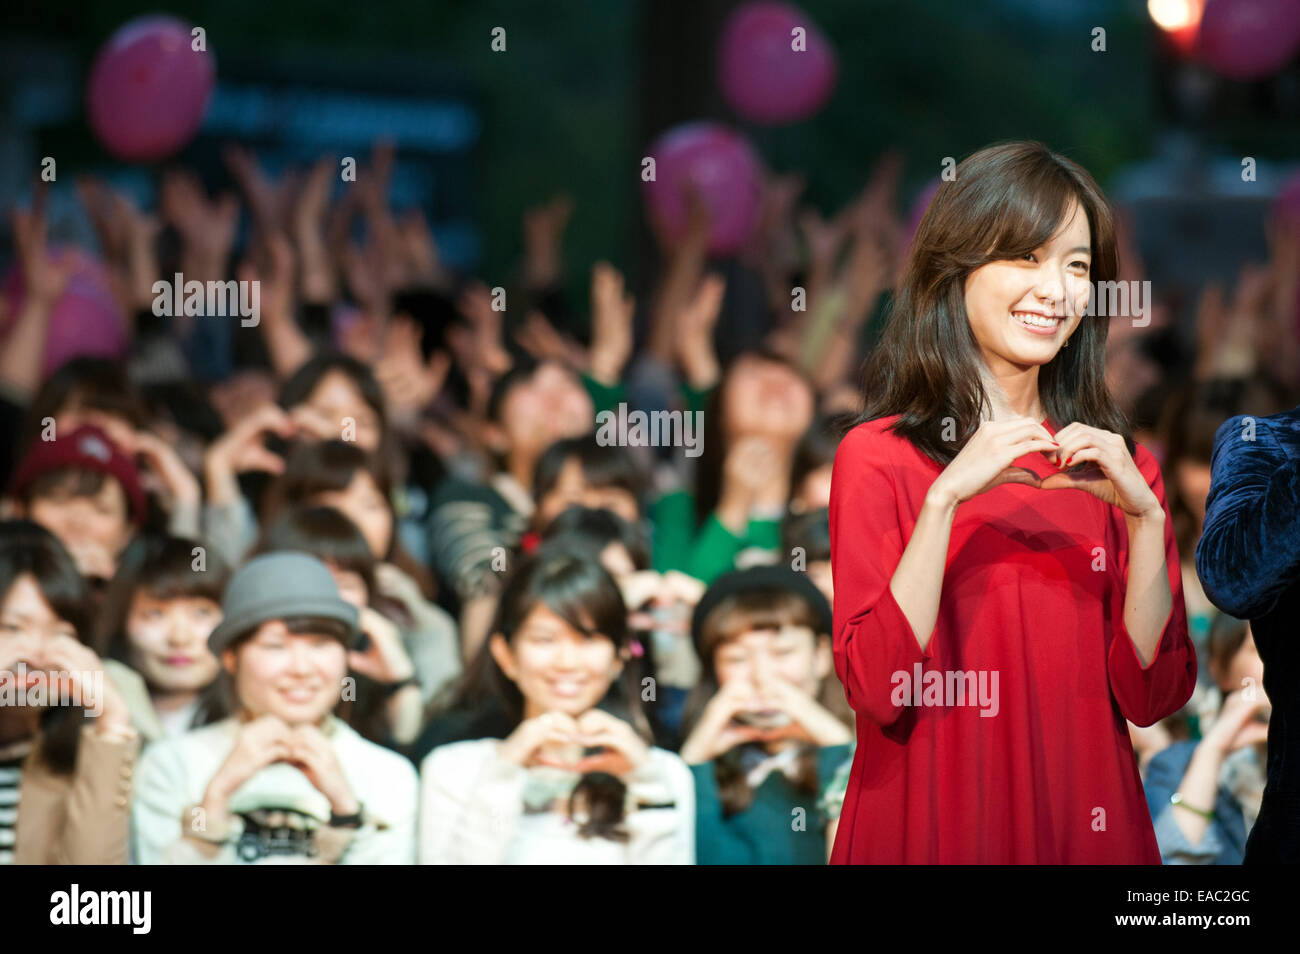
<point>717,733</point>
<point>985,461</point>
<point>521,747</point>
<point>1237,726</point>
<point>261,742</point>
<point>241,449</point>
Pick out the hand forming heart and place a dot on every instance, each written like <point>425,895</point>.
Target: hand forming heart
<point>1111,474</point>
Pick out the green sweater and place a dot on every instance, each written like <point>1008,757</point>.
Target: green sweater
<point>770,831</point>
<point>709,551</point>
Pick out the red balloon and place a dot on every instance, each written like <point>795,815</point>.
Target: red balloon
<point>1249,39</point>
<point>86,320</point>
<point>763,73</point>
<point>148,89</point>
<point>722,168</point>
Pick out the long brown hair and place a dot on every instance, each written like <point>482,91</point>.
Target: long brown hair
<point>1006,201</point>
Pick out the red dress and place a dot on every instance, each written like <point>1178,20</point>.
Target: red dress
<point>1038,769</point>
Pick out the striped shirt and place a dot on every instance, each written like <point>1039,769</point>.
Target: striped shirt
<point>10,776</point>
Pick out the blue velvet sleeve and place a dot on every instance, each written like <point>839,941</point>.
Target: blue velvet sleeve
<point>1249,551</point>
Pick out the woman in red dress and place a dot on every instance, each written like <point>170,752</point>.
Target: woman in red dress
<point>1007,586</point>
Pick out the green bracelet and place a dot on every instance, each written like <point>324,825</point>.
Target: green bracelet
<point>1177,799</point>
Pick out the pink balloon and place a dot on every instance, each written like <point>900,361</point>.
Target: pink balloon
<point>723,169</point>
<point>762,76</point>
<point>86,320</point>
<point>1249,39</point>
<point>148,89</point>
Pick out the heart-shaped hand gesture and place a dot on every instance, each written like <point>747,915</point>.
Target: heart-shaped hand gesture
<point>987,461</point>
<point>1111,474</point>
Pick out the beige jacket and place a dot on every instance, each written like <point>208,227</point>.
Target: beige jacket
<point>81,818</point>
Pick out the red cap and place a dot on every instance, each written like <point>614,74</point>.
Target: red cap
<point>86,448</point>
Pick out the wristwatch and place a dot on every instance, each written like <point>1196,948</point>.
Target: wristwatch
<point>390,689</point>
<point>1177,799</point>
<point>355,820</point>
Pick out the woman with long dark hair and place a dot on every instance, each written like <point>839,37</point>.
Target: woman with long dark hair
<point>575,779</point>
<point>67,748</point>
<point>1007,587</point>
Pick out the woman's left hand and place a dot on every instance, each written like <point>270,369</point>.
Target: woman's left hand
<point>82,678</point>
<point>385,660</point>
<point>167,472</point>
<point>624,752</point>
<point>1113,475</point>
<point>311,752</point>
<point>809,720</point>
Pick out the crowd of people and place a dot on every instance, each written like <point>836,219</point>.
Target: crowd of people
<point>360,582</point>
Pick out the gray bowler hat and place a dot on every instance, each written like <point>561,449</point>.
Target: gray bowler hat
<point>277,586</point>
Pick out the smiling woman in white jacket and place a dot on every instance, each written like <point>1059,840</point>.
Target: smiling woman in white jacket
<point>283,780</point>
<point>572,783</point>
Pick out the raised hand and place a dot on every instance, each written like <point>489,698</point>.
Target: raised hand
<point>241,449</point>
<point>166,472</point>
<point>270,202</point>
<point>310,212</point>
<point>44,278</point>
<point>540,339</point>
<point>544,228</point>
<point>385,659</point>
<point>410,383</point>
<point>695,351</point>
<point>612,309</point>
<point>206,226</point>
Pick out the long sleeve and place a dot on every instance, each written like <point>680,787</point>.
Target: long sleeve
<point>393,841</point>
<point>1249,551</point>
<point>872,637</point>
<point>1147,694</point>
<point>98,819</point>
<point>1164,777</point>
<point>231,528</point>
<point>434,647</point>
<point>157,815</point>
<point>470,803</point>
<point>662,836</point>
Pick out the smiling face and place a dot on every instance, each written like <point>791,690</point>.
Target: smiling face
<point>295,677</point>
<point>550,405</point>
<point>26,620</point>
<point>767,398</point>
<point>791,653</point>
<point>555,666</point>
<point>168,641</point>
<point>1022,312</point>
<point>93,527</point>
